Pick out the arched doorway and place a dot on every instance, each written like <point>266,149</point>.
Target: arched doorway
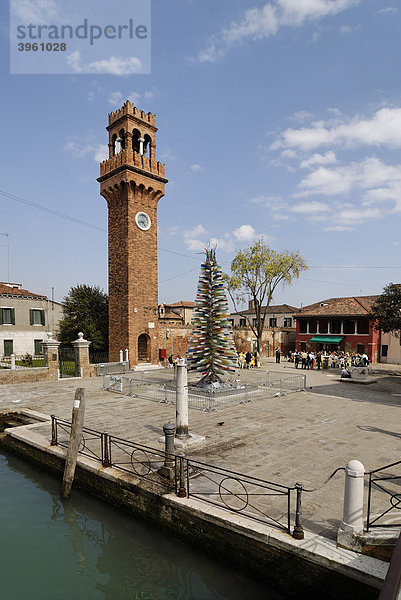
<point>143,348</point>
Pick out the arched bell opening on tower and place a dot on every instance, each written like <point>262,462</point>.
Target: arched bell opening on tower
<point>113,144</point>
<point>135,140</point>
<point>122,138</point>
<point>143,348</point>
<point>146,145</point>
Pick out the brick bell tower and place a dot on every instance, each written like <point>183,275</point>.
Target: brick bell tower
<point>132,182</point>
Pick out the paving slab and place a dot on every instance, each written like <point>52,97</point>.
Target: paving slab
<point>301,437</point>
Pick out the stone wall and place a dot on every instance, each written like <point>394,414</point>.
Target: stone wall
<point>25,375</point>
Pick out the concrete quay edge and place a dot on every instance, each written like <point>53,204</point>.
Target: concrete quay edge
<point>315,549</point>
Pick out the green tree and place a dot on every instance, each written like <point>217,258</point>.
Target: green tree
<point>256,272</point>
<point>211,349</point>
<point>86,309</point>
<point>386,311</point>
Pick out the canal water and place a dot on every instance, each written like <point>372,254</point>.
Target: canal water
<point>84,550</point>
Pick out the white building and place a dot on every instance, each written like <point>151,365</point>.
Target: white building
<point>25,319</point>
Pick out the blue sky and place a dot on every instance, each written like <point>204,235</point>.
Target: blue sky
<point>279,118</point>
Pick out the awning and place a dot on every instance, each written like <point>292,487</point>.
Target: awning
<point>327,339</point>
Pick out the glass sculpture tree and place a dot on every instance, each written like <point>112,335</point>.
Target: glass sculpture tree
<point>211,349</point>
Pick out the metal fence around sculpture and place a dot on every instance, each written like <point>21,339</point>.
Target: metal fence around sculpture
<point>161,387</point>
<point>285,383</point>
<point>265,501</point>
<point>198,398</point>
<point>384,497</point>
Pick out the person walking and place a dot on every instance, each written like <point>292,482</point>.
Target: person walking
<point>248,358</point>
<point>278,353</point>
<point>296,359</point>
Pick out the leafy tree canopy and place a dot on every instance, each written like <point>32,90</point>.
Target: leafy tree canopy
<point>256,272</point>
<point>86,309</point>
<point>386,311</point>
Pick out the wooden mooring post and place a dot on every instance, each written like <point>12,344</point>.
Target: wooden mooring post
<point>77,423</point>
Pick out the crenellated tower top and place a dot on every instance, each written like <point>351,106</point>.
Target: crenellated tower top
<point>132,142</point>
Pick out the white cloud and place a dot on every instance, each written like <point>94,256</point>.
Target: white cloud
<point>195,168</point>
<point>195,238</point>
<point>244,233</point>
<point>350,28</point>
<point>383,129</point>
<point>318,159</point>
<point>117,98</point>
<point>89,147</point>
<point>301,116</point>
<point>366,175</point>
<point>308,208</point>
<point>388,10</point>
<point>36,11</point>
<point>150,94</point>
<point>115,65</point>
<point>258,23</point>
<point>226,243</point>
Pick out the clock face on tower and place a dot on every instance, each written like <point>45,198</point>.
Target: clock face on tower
<point>143,221</point>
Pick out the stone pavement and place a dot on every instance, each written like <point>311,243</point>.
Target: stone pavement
<point>302,437</point>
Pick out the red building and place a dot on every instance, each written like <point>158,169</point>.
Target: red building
<point>339,324</point>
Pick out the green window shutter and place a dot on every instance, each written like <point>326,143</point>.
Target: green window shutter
<point>30,316</point>
<point>1,316</point>
<point>42,317</point>
<point>13,316</point>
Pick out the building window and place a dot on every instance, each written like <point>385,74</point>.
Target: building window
<point>363,326</point>
<point>312,326</point>
<point>287,322</point>
<point>37,347</point>
<point>335,326</point>
<point>36,316</point>
<point>349,327</point>
<point>384,350</point>
<point>323,326</point>
<point>272,322</point>
<point>303,326</point>
<point>254,322</point>
<point>7,316</point>
<point>242,322</point>
<point>8,347</point>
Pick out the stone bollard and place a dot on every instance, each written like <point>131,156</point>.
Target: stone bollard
<point>121,356</point>
<point>126,355</point>
<point>12,361</point>
<point>167,470</point>
<point>352,520</point>
<point>182,402</point>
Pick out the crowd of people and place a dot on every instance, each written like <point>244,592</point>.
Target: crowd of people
<point>327,360</point>
<point>248,360</point>
<point>303,359</point>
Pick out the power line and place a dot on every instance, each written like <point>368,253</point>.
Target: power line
<point>179,275</point>
<point>50,210</point>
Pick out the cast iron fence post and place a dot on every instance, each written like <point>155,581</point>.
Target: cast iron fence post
<point>54,431</point>
<point>182,492</point>
<point>298,533</point>
<point>106,449</point>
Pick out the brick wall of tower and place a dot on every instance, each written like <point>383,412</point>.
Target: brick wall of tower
<point>118,274</point>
